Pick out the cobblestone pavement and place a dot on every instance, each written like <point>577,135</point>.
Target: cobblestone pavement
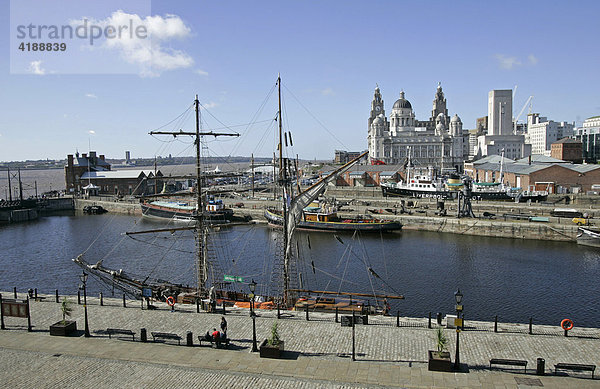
<point>319,355</point>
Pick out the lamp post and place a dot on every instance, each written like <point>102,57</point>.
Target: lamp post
<point>252,286</point>
<point>458,297</point>
<point>83,277</point>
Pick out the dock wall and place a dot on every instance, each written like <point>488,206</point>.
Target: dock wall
<point>122,207</point>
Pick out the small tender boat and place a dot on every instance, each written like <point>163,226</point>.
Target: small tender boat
<point>94,210</point>
<point>181,211</point>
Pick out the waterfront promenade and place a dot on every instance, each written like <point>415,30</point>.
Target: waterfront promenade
<point>319,351</point>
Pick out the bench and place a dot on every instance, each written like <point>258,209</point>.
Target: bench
<point>118,331</point>
<point>510,362</point>
<point>166,335</point>
<point>575,367</point>
<point>212,342</point>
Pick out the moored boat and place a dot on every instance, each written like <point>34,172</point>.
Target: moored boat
<point>588,237</point>
<point>215,211</point>
<point>326,219</point>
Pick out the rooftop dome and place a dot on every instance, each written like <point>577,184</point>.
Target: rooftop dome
<point>402,102</point>
<point>455,119</point>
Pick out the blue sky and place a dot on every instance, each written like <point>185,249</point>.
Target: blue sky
<point>330,55</point>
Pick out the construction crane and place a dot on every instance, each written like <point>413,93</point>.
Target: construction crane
<point>521,113</point>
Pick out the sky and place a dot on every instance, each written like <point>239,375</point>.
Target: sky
<point>330,55</point>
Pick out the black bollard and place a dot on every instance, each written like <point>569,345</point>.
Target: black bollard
<point>101,299</point>
<point>56,291</point>
<point>35,293</point>
<point>190,339</point>
<point>429,325</point>
<point>15,292</point>
<point>462,327</point>
<point>124,304</point>
<point>496,324</point>
<point>279,311</point>
<point>397,318</point>
<point>531,326</point>
<point>143,335</point>
<point>306,311</point>
<point>78,297</point>
<point>336,314</point>
<point>224,307</point>
<point>197,305</point>
<point>566,333</point>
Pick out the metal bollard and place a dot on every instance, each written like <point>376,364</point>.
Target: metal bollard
<point>307,312</point>
<point>124,304</point>
<point>279,311</point>
<point>190,339</point>
<point>15,292</point>
<point>143,335</point>
<point>462,327</point>
<point>78,297</point>
<point>101,299</point>
<point>397,318</point>
<point>56,291</point>
<point>197,305</point>
<point>336,314</point>
<point>496,324</point>
<point>429,325</point>
<point>531,326</point>
<point>224,307</point>
<point>35,293</point>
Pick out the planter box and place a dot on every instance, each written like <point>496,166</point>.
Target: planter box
<point>439,361</point>
<point>60,329</point>
<point>267,351</point>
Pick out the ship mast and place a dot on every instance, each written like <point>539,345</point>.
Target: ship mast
<point>283,181</point>
<point>200,227</point>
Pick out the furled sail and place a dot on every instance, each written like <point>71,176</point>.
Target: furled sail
<point>305,198</point>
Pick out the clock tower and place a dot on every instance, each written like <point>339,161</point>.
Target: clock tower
<point>376,106</point>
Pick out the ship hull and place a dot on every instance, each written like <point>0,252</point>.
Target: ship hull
<point>163,213</point>
<point>360,225</point>
<point>405,192</point>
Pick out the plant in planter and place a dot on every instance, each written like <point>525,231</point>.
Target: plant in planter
<point>273,346</point>
<point>64,327</point>
<point>440,360</point>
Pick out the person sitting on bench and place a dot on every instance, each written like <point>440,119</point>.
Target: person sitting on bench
<point>216,335</point>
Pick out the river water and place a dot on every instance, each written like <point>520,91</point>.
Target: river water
<point>514,279</point>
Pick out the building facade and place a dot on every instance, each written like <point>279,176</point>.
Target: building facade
<point>438,142</point>
<point>77,166</point>
<point>541,133</point>
<point>567,149</point>
<point>500,112</point>
<point>589,136</point>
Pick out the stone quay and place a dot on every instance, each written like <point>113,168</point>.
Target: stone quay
<point>318,351</point>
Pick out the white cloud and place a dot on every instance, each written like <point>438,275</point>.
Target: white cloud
<point>201,72</point>
<point>152,53</point>
<point>212,104</point>
<point>92,132</point>
<point>327,92</point>
<point>91,95</point>
<point>507,62</point>
<point>532,59</point>
<point>35,67</point>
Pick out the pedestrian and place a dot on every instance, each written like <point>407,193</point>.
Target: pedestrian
<point>224,327</point>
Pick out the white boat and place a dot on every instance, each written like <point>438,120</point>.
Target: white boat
<point>588,237</point>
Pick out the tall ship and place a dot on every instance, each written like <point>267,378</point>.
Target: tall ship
<point>285,288</point>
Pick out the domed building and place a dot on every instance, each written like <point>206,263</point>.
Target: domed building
<point>438,142</point>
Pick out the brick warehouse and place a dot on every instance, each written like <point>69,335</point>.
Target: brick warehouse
<point>82,170</point>
<point>547,173</point>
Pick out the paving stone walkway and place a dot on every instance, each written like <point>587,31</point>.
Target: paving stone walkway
<point>319,351</point>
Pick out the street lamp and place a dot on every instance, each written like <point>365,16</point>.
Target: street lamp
<point>252,287</point>
<point>458,297</point>
<point>83,277</point>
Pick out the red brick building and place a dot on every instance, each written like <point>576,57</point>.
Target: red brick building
<point>567,149</point>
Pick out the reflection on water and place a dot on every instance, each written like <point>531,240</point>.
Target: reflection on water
<point>513,279</point>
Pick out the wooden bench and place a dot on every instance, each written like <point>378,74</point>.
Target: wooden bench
<point>166,335</point>
<point>212,342</point>
<point>510,362</point>
<point>119,331</point>
<point>575,367</point>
